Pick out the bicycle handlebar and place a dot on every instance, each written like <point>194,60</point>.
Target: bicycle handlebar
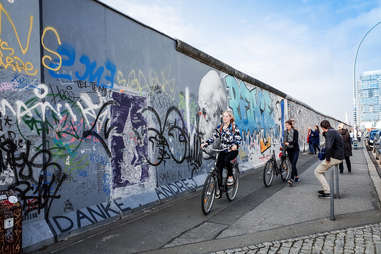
<point>214,150</point>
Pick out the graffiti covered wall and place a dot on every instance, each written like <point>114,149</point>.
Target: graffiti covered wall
<point>95,122</point>
<point>305,118</point>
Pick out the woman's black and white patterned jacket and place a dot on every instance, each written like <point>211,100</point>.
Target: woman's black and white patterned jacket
<point>229,137</point>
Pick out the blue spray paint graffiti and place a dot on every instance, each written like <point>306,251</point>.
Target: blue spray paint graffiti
<point>90,73</point>
<point>253,109</point>
<point>257,113</point>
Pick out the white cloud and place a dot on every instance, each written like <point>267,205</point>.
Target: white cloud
<point>164,18</point>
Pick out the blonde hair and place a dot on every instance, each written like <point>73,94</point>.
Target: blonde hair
<point>341,126</point>
<point>232,120</point>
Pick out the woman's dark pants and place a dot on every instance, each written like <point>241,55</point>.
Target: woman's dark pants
<point>224,162</point>
<point>293,155</point>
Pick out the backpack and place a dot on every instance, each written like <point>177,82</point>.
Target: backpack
<point>321,154</point>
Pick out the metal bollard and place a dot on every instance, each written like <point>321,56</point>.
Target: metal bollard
<point>337,194</point>
<point>332,186</point>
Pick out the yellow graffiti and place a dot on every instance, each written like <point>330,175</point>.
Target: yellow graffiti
<point>25,49</point>
<point>138,82</point>
<point>47,57</point>
<point>120,79</point>
<point>9,60</point>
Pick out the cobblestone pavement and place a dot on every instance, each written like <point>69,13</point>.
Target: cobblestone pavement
<point>366,239</point>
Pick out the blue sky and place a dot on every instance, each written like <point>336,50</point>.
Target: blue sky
<point>305,48</point>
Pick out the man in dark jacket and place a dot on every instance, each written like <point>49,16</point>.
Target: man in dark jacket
<point>347,147</point>
<point>334,155</point>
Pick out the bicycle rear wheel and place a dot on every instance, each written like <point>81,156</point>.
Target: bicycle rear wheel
<point>231,192</point>
<point>285,168</point>
<point>268,173</point>
<point>207,197</point>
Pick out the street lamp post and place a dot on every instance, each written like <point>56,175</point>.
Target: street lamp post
<point>354,76</point>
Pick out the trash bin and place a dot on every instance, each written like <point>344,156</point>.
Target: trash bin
<point>10,223</point>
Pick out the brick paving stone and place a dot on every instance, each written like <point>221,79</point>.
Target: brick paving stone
<point>287,244</point>
<point>366,239</point>
<point>252,247</point>
<point>284,250</point>
<point>263,250</point>
<point>370,248</point>
<point>294,251</point>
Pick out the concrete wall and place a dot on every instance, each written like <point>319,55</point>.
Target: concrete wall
<point>101,115</point>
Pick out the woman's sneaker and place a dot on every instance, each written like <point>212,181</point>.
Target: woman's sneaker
<point>297,179</point>
<point>230,180</point>
<point>217,194</point>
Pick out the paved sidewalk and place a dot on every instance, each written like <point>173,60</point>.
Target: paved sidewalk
<point>301,203</point>
<point>354,188</point>
<point>366,239</point>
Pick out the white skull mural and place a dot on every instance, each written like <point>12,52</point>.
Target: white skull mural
<point>212,100</point>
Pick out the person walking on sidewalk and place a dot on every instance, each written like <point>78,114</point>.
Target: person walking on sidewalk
<point>334,155</point>
<point>309,141</point>
<point>347,148</point>
<point>291,137</point>
<point>315,134</point>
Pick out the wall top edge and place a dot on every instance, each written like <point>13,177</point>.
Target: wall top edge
<point>211,61</point>
<point>133,19</point>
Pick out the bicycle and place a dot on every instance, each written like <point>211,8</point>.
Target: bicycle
<point>211,184</point>
<point>272,168</point>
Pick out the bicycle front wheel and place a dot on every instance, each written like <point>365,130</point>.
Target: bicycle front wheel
<point>231,192</point>
<point>268,173</point>
<point>207,197</point>
<point>285,166</point>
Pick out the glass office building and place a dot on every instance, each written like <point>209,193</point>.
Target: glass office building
<point>368,95</point>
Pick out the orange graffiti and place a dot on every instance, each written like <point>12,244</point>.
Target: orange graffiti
<point>265,144</point>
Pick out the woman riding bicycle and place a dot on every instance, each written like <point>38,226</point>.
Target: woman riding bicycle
<point>230,137</point>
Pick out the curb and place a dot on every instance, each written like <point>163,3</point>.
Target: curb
<point>376,180</point>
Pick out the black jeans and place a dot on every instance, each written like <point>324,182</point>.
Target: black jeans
<point>348,161</point>
<point>293,155</point>
<point>224,162</point>
<point>316,147</point>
